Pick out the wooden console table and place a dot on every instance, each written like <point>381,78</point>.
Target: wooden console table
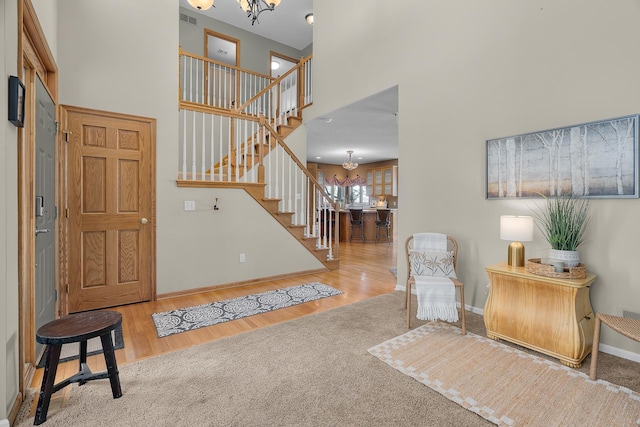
<point>549,315</point>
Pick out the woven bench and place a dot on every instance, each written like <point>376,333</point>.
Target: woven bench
<point>630,328</point>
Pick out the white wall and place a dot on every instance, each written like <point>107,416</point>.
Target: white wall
<point>8,216</point>
<point>469,71</point>
<point>254,50</point>
<point>47,11</point>
<point>121,56</point>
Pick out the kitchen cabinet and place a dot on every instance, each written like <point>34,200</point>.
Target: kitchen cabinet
<point>382,181</point>
<point>370,182</point>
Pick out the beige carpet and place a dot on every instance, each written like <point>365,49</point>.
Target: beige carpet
<point>313,371</point>
<point>505,385</point>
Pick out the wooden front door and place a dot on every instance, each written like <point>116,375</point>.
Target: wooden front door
<point>111,208</point>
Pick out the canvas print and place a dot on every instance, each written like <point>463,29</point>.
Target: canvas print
<point>597,159</point>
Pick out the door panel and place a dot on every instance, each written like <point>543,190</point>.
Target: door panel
<point>111,229</point>
<point>45,212</point>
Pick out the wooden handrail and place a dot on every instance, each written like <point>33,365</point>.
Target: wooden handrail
<point>223,64</point>
<point>203,108</point>
<point>297,161</point>
<point>274,83</point>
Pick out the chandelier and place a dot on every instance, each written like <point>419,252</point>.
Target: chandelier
<point>253,8</point>
<point>349,165</point>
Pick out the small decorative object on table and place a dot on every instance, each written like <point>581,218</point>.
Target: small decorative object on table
<point>535,266</point>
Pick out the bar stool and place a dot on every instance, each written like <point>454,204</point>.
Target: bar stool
<point>78,328</point>
<point>383,220</point>
<point>357,222</point>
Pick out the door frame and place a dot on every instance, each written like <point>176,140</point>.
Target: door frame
<point>34,59</point>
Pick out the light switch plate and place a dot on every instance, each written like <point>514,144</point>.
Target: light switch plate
<point>189,205</point>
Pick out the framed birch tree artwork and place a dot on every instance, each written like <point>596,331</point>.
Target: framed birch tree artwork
<point>597,159</point>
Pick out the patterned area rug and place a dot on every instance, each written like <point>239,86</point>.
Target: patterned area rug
<point>187,319</point>
<point>504,385</point>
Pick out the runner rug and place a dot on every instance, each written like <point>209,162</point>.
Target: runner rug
<point>504,385</point>
<point>186,319</point>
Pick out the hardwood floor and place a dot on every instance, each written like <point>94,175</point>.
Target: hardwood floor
<point>363,273</point>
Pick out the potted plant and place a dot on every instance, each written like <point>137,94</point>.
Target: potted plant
<point>563,221</point>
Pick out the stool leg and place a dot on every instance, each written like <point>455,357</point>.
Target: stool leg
<point>48,379</point>
<point>112,366</point>
<point>82,361</point>
<point>594,349</point>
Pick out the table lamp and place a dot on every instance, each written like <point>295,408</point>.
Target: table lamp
<point>517,229</point>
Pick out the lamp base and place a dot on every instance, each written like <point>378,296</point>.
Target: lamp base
<point>516,255</point>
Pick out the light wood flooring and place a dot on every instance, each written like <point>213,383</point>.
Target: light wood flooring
<point>363,273</point>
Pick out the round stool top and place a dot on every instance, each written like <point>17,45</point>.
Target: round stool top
<point>78,327</point>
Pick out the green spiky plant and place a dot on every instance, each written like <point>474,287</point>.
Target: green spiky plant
<point>563,221</point>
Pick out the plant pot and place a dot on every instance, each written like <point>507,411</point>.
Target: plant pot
<point>569,258</point>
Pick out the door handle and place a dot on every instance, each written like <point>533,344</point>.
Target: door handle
<point>41,230</point>
<point>143,221</point>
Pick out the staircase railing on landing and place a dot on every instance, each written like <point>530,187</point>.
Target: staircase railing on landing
<point>232,128</point>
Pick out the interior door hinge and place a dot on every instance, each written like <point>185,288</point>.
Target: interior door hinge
<point>66,213</point>
<point>56,295</point>
<point>57,127</point>
<point>67,289</point>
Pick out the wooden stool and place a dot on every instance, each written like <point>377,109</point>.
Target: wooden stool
<point>77,328</point>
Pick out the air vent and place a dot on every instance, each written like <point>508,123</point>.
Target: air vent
<point>186,18</point>
<point>630,314</point>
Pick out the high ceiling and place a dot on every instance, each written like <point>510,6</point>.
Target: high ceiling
<point>286,24</point>
<point>369,127</point>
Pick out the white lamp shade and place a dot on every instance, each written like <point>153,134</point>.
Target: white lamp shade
<point>516,228</point>
<point>201,4</point>
<point>244,5</point>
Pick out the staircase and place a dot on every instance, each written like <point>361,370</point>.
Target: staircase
<point>244,148</point>
<point>248,154</point>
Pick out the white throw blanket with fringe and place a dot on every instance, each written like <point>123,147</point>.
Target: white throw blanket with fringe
<point>436,295</point>
<point>436,298</point>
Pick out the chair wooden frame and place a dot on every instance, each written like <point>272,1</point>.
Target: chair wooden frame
<point>630,328</point>
<point>411,281</point>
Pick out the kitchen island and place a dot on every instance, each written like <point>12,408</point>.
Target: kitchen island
<point>369,216</point>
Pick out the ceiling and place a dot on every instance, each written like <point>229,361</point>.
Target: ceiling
<point>286,24</point>
<point>369,127</point>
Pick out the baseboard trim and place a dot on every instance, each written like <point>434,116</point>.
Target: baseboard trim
<point>615,351</point>
<point>237,284</point>
<point>14,410</point>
